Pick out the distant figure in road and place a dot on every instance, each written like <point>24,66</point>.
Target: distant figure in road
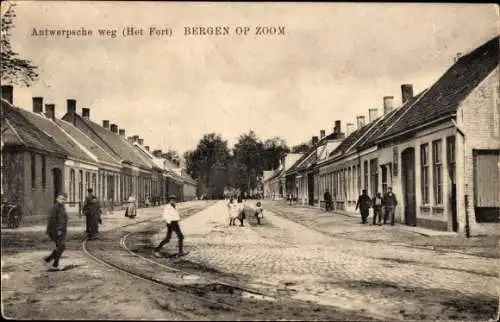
<point>259,212</point>
<point>328,200</point>
<point>290,198</point>
<point>147,202</point>
<point>232,210</point>
<point>241,211</point>
<point>363,204</point>
<point>56,229</point>
<point>172,218</point>
<point>92,212</point>
<point>130,211</point>
<point>390,204</point>
<point>377,209</point>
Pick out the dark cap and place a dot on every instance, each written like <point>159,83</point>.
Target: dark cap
<point>89,189</point>
<point>172,197</point>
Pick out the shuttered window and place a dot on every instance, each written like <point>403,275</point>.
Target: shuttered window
<point>487,180</point>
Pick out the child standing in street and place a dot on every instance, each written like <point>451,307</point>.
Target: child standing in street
<point>259,212</point>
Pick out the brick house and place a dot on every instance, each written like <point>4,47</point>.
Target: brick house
<point>438,150</point>
<point>32,163</point>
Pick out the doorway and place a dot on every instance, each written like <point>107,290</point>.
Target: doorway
<point>408,180</point>
<point>57,182</point>
<point>310,188</point>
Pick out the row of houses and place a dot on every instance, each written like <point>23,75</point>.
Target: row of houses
<point>43,156</point>
<point>438,150</point>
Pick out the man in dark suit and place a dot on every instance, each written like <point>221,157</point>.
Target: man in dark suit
<point>56,229</point>
<point>92,211</point>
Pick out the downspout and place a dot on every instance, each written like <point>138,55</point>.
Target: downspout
<point>466,197</point>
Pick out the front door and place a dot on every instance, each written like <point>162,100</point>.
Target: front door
<point>408,180</point>
<point>310,188</point>
<point>56,182</point>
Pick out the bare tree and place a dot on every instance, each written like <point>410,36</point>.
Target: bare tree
<point>15,70</point>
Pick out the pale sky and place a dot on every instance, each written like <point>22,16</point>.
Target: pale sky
<point>334,62</point>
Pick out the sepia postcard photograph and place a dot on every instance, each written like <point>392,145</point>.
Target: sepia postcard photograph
<point>250,161</point>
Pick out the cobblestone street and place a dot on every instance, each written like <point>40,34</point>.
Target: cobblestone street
<point>378,275</point>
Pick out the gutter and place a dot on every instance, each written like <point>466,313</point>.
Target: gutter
<point>467,221</point>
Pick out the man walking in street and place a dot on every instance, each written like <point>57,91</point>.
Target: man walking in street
<point>92,211</point>
<point>56,229</point>
<point>172,218</point>
<point>363,203</point>
<point>390,204</point>
<point>328,200</point>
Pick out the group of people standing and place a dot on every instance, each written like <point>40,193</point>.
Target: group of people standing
<point>236,210</point>
<point>382,206</point>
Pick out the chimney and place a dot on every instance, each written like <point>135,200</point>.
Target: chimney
<point>135,138</point>
<point>457,57</point>
<point>130,140</point>
<point>105,124</point>
<point>406,92</point>
<point>86,113</point>
<point>388,104</point>
<point>321,134</point>
<point>157,153</point>
<point>336,127</point>
<point>37,104</point>
<point>314,140</point>
<point>372,114</point>
<point>147,147</point>
<point>122,133</point>
<point>8,93</point>
<point>141,141</point>
<point>350,128</point>
<point>114,128</point>
<point>50,111</point>
<point>360,121</point>
<point>71,104</point>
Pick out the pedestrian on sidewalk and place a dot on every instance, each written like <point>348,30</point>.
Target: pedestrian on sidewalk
<point>328,200</point>
<point>377,209</point>
<point>57,225</point>
<point>172,218</point>
<point>92,212</point>
<point>390,204</point>
<point>363,204</point>
<point>232,210</point>
<point>130,211</point>
<point>259,212</point>
<point>241,211</point>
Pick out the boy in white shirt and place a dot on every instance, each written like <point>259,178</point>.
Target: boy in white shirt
<point>172,218</point>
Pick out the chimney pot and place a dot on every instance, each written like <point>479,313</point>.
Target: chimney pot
<point>86,113</point>
<point>114,128</point>
<point>372,114</point>
<point>388,104</point>
<point>406,92</point>
<point>321,134</point>
<point>140,141</point>
<point>50,111</point>
<point>105,124</point>
<point>337,129</point>
<point>157,153</point>
<point>147,147</point>
<point>8,93</point>
<point>349,128</point>
<point>37,104</point>
<point>122,132</point>
<point>314,140</point>
<point>135,138</point>
<point>361,121</point>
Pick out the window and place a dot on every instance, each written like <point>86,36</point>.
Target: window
<point>359,179</point>
<point>80,185</point>
<point>374,176</point>
<point>424,169</point>
<point>72,187</point>
<point>94,185</point>
<point>33,170</point>
<point>44,174</point>
<point>365,186</point>
<point>87,180</point>
<point>450,157</point>
<point>438,172</point>
<point>384,179</point>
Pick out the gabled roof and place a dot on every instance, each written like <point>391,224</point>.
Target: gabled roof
<point>27,134</point>
<point>444,97</point>
<point>62,138</point>
<point>115,144</point>
<point>88,143</point>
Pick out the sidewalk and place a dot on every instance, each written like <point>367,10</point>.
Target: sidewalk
<point>347,225</point>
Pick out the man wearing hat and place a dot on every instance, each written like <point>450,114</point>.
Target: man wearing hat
<point>172,218</point>
<point>92,211</point>
<point>56,229</point>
